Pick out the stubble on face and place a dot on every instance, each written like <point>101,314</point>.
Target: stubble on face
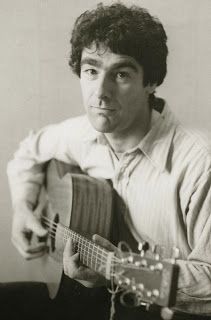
<point>114,96</point>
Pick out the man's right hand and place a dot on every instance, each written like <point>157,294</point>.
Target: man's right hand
<point>25,226</point>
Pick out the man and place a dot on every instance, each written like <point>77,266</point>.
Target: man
<point>161,171</point>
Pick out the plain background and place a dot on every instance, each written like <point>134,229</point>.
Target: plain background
<point>37,87</point>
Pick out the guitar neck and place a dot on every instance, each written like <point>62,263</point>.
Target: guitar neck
<point>90,254</point>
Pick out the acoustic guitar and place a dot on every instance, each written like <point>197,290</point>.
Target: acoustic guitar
<point>77,206</point>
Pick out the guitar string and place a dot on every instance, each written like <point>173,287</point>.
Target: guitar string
<point>94,249</point>
<point>80,239</point>
<point>101,263</point>
<point>98,259</point>
<point>97,263</point>
<point>93,263</point>
<point>115,260</point>
<point>65,236</point>
<point>101,253</point>
<point>97,247</point>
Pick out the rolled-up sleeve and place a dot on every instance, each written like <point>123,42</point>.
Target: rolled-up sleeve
<point>26,171</point>
<point>195,273</point>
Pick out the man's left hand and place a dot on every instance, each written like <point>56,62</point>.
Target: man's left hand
<point>75,270</point>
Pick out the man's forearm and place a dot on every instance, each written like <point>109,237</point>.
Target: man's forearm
<point>194,287</point>
<point>24,184</point>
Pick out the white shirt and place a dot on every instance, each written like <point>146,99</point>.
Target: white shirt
<point>165,184</point>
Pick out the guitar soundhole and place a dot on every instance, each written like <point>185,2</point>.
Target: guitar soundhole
<point>53,232</point>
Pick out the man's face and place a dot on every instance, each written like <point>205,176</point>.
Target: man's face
<point>113,93</point>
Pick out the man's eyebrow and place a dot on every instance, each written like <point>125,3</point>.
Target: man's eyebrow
<point>117,65</point>
<point>125,64</point>
<point>90,61</point>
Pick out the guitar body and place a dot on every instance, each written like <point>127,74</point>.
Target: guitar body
<point>78,206</point>
<point>78,202</point>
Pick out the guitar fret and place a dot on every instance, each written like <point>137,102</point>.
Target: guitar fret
<point>90,254</point>
<point>91,257</point>
<point>79,247</point>
<point>65,236</point>
<point>96,265</point>
<point>83,252</point>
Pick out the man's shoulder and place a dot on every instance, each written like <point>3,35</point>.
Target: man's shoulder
<point>193,144</point>
<point>189,137</point>
<point>79,121</point>
<point>80,126</point>
<point>199,140</point>
<point>187,147</point>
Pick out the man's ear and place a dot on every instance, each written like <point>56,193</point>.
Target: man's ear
<point>151,88</point>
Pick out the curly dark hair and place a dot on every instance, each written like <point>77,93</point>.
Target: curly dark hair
<point>130,31</point>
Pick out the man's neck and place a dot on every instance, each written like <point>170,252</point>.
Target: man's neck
<point>123,141</point>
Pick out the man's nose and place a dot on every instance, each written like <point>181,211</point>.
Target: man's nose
<point>103,89</point>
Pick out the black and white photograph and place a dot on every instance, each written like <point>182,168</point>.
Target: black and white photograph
<point>105,142</point>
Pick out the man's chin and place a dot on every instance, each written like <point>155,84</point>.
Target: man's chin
<point>102,124</point>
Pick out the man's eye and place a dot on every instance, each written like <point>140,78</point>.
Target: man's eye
<point>90,72</point>
<point>122,75</point>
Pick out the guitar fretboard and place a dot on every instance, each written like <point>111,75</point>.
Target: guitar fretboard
<point>91,254</point>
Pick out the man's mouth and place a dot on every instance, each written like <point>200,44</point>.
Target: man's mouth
<point>103,109</point>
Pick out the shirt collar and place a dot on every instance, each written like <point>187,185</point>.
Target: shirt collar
<point>157,142</point>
